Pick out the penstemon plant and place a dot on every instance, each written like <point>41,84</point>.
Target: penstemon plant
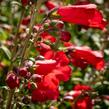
<point>47,59</point>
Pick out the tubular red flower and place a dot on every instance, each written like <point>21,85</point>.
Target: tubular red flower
<point>61,58</point>
<point>83,56</point>
<point>84,102</point>
<point>82,87</point>
<point>55,69</point>
<point>86,15</point>
<point>50,5</point>
<point>42,48</point>
<point>47,36</point>
<point>45,66</point>
<point>47,89</point>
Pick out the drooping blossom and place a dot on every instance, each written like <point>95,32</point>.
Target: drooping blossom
<point>83,56</point>
<point>82,87</point>
<point>81,99</point>
<point>84,102</point>
<point>50,5</point>
<point>42,48</point>
<point>56,61</point>
<point>86,15</point>
<point>46,36</point>
<point>47,89</point>
<point>53,71</point>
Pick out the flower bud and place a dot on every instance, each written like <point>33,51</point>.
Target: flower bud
<point>28,75</point>
<point>60,25</point>
<point>65,36</point>
<point>23,71</point>
<point>36,78</point>
<point>24,2</point>
<point>31,86</point>
<point>25,99</point>
<point>12,81</point>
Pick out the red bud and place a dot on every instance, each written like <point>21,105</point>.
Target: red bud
<point>12,81</point>
<point>65,36</point>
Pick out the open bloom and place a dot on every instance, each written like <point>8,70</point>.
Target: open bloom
<point>54,70</point>
<point>42,48</point>
<point>50,5</point>
<point>82,100</point>
<point>47,89</point>
<point>86,15</point>
<point>83,56</point>
<point>46,36</point>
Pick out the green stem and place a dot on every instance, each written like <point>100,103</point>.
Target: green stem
<point>32,22</point>
<point>16,36</point>
<point>11,93</point>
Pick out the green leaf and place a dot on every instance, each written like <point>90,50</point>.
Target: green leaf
<point>6,51</point>
<point>3,35</point>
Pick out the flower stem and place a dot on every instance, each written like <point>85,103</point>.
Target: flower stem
<point>9,100</point>
<point>11,91</point>
<point>27,46</point>
<point>16,36</point>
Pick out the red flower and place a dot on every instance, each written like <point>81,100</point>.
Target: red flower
<point>47,89</point>
<point>61,58</point>
<point>49,5</point>
<point>86,15</point>
<point>67,44</point>
<point>84,102</point>
<point>49,54</point>
<point>82,87</point>
<point>43,48</point>
<point>55,69</point>
<point>47,36</point>
<point>45,66</point>
<point>62,73</point>
<point>82,99</point>
<point>12,81</point>
<point>83,56</point>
